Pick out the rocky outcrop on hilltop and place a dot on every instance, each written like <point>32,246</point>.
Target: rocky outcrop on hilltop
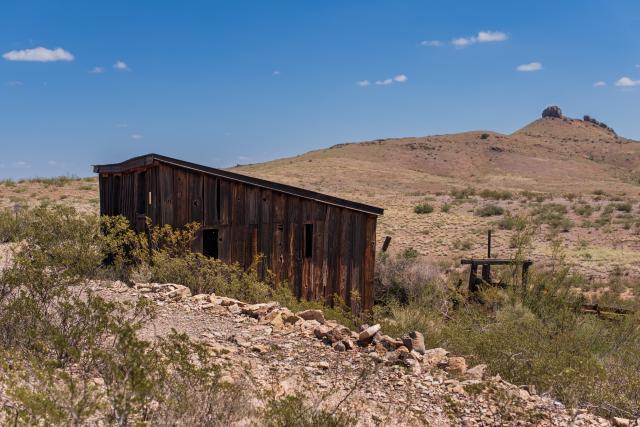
<point>553,111</point>
<point>376,379</point>
<point>595,122</point>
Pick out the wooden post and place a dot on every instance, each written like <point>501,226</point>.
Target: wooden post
<point>473,271</point>
<point>525,273</point>
<point>486,269</point>
<point>387,242</point>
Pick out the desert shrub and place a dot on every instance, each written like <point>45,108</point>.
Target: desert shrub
<point>463,193</point>
<point>56,181</point>
<point>423,208</point>
<point>398,277</point>
<point>531,334</point>
<point>12,225</point>
<point>553,215</point>
<point>624,207</point>
<point>294,411</point>
<point>583,209</point>
<point>509,222</point>
<point>489,210</point>
<point>57,337</point>
<point>534,196</point>
<point>484,136</point>
<point>496,194</point>
<point>463,244</point>
<point>446,207</point>
<point>207,275</point>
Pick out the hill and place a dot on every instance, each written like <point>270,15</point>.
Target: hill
<point>558,160</point>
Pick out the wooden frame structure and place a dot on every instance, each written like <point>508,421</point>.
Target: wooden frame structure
<point>320,244</point>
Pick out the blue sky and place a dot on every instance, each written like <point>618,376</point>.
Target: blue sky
<point>222,83</point>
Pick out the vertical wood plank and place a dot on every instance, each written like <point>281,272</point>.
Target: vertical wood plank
<point>225,201</point>
<point>166,191</point>
<point>210,201</point>
<point>369,263</point>
<point>344,282</point>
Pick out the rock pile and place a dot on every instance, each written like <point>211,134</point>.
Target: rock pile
<point>406,383</point>
<point>553,111</point>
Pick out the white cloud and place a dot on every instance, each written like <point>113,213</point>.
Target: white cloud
<point>491,36</point>
<point>461,41</point>
<point>384,82</point>
<point>532,66</point>
<point>363,83</point>
<point>276,72</point>
<point>599,84</point>
<point>39,54</point>
<point>481,37</point>
<point>97,70</point>
<point>627,82</point>
<point>136,136</point>
<point>120,65</point>
<point>431,43</point>
<point>14,83</point>
<point>400,78</point>
<point>20,164</point>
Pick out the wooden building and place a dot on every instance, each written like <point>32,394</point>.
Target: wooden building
<point>321,245</point>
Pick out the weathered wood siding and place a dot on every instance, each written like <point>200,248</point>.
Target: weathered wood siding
<point>250,221</point>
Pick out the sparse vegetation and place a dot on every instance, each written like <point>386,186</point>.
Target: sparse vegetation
<point>54,330</point>
<point>423,208</point>
<point>464,193</point>
<point>489,210</point>
<point>496,194</point>
<point>553,215</point>
<point>530,334</point>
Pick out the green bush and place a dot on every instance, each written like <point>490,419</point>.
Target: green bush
<point>463,193</point>
<point>554,215</point>
<point>533,334</point>
<point>293,411</point>
<point>423,208</point>
<point>446,207</point>
<point>496,194</point>
<point>489,210</point>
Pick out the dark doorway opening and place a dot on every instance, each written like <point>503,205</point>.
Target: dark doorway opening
<point>308,240</point>
<point>210,243</point>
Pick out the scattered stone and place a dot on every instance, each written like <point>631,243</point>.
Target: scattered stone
<point>259,310</point>
<point>434,356</point>
<point>312,314</point>
<point>390,343</point>
<point>368,334</point>
<point>321,331</point>
<point>260,348</point>
<point>234,309</point>
<point>476,373</point>
<point>339,346</point>
<point>621,422</point>
<point>414,341</point>
<point>456,366</point>
<point>226,302</point>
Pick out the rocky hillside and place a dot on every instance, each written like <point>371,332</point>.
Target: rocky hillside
<point>377,379</point>
<point>553,153</point>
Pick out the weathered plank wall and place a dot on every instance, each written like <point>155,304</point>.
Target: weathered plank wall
<point>251,220</point>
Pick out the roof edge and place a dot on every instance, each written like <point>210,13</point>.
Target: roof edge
<point>147,160</point>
